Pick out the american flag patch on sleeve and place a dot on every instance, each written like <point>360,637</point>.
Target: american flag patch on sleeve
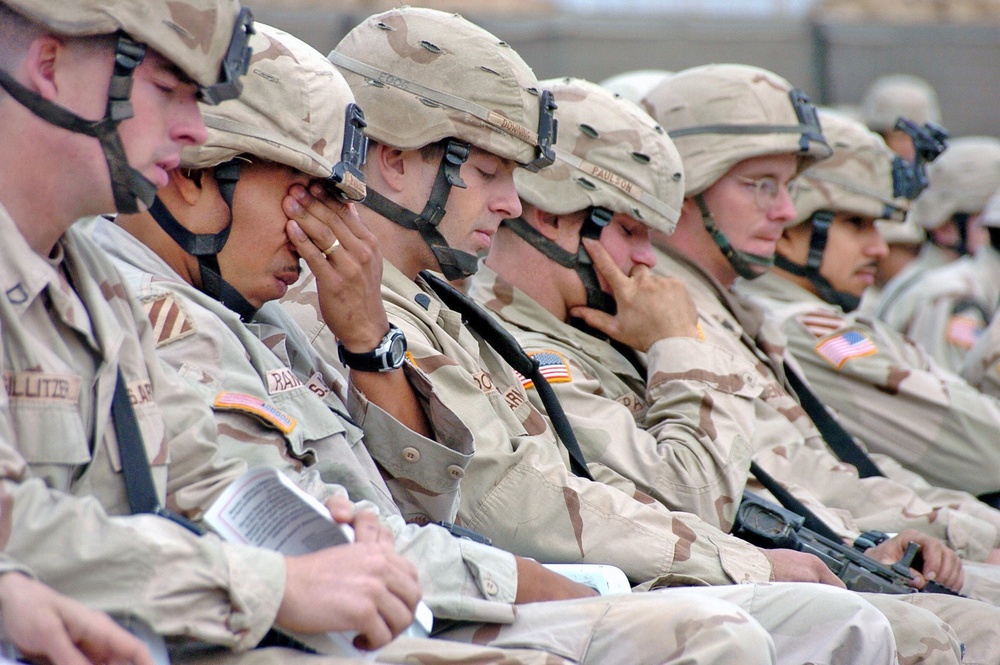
<point>838,349</point>
<point>963,331</point>
<point>552,366</point>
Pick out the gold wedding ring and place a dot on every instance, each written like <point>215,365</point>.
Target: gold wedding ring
<point>329,250</point>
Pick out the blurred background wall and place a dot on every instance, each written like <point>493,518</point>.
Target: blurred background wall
<point>832,49</point>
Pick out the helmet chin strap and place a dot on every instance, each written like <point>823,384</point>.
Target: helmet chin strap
<point>206,246</point>
<point>961,222</point>
<point>820,223</point>
<point>593,225</point>
<point>128,185</point>
<point>746,265</point>
<point>454,263</point>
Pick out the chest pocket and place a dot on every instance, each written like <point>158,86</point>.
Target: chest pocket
<point>45,414</point>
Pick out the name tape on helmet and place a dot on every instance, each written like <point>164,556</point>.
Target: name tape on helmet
<point>624,185</point>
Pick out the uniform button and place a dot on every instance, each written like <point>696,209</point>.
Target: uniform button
<point>455,471</point>
<point>491,587</point>
<point>411,454</point>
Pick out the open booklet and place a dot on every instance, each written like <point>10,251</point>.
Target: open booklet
<point>266,509</point>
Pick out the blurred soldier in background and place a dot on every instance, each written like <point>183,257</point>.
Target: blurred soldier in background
<point>899,96</point>
<point>945,307</point>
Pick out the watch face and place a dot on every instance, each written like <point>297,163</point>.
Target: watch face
<point>397,350</point>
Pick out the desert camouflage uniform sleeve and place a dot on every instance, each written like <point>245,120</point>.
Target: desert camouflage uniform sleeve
<point>460,579</point>
<point>981,367</point>
<point>685,441</point>
<point>518,489</point>
<point>948,326</point>
<point>417,488</point>
<point>898,400</point>
<point>78,541</point>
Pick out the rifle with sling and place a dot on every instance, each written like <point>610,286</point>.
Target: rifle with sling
<point>767,525</point>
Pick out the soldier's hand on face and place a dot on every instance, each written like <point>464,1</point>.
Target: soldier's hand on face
<point>793,566</point>
<point>344,257</point>
<point>650,307</point>
<point>940,562</point>
<point>536,583</point>
<point>364,586</point>
<point>45,624</point>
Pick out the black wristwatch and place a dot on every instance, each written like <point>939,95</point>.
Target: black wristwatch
<point>387,356</point>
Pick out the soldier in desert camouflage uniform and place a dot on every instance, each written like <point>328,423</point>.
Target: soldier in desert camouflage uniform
<point>622,170</point>
<point>517,474</point>
<point>896,96</point>
<point>733,168</point>
<point>289,400</point>
<point>943,304</point>
<point>980,367</point>
<point>884,388</point>
<point>74,341</point>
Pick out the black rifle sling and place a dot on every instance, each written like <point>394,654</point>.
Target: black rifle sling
<point>139,486</point>
<point>840,440</point>
<point>501,341</point>
<point>788,500</point>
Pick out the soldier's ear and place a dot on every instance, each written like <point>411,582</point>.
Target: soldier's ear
<point>188,183</point>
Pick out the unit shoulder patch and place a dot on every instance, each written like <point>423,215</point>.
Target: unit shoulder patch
<point>839,348</point>
<point>822,323</point>
<point>168,319</point>
<point>551,364</point>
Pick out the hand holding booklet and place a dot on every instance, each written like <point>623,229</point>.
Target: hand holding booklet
<point>265,509</point>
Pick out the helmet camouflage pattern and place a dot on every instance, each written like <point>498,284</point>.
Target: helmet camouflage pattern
<point>195,35</point>
<point>610,154</point>
<point>719,115</point>
<point>961,180</point>
<point>424,75</point>
<point>857,179</point>
<point>291,112</point>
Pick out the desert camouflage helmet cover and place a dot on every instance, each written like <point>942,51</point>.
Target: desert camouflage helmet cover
<point>900,233</point>
<point>423,75</point>
<point>611,155</point>
<point>857,179</point>
<point>890,97</point>
<point>961,180</point>
<point>292,110</point>
<point>193,34</point>
<point>719,115</point>
<point>634,85</point>
<point>990,216</point>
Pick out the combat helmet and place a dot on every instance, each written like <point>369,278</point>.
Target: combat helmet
<point>720,115</point>
<point>634,85</point>
<point>206,39</point>
<point>863,177</point>
<point>426,76</point>
<point>899,95</point>
<point>296,110</point>
<point>611,158</point>
<point>960,183</point>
